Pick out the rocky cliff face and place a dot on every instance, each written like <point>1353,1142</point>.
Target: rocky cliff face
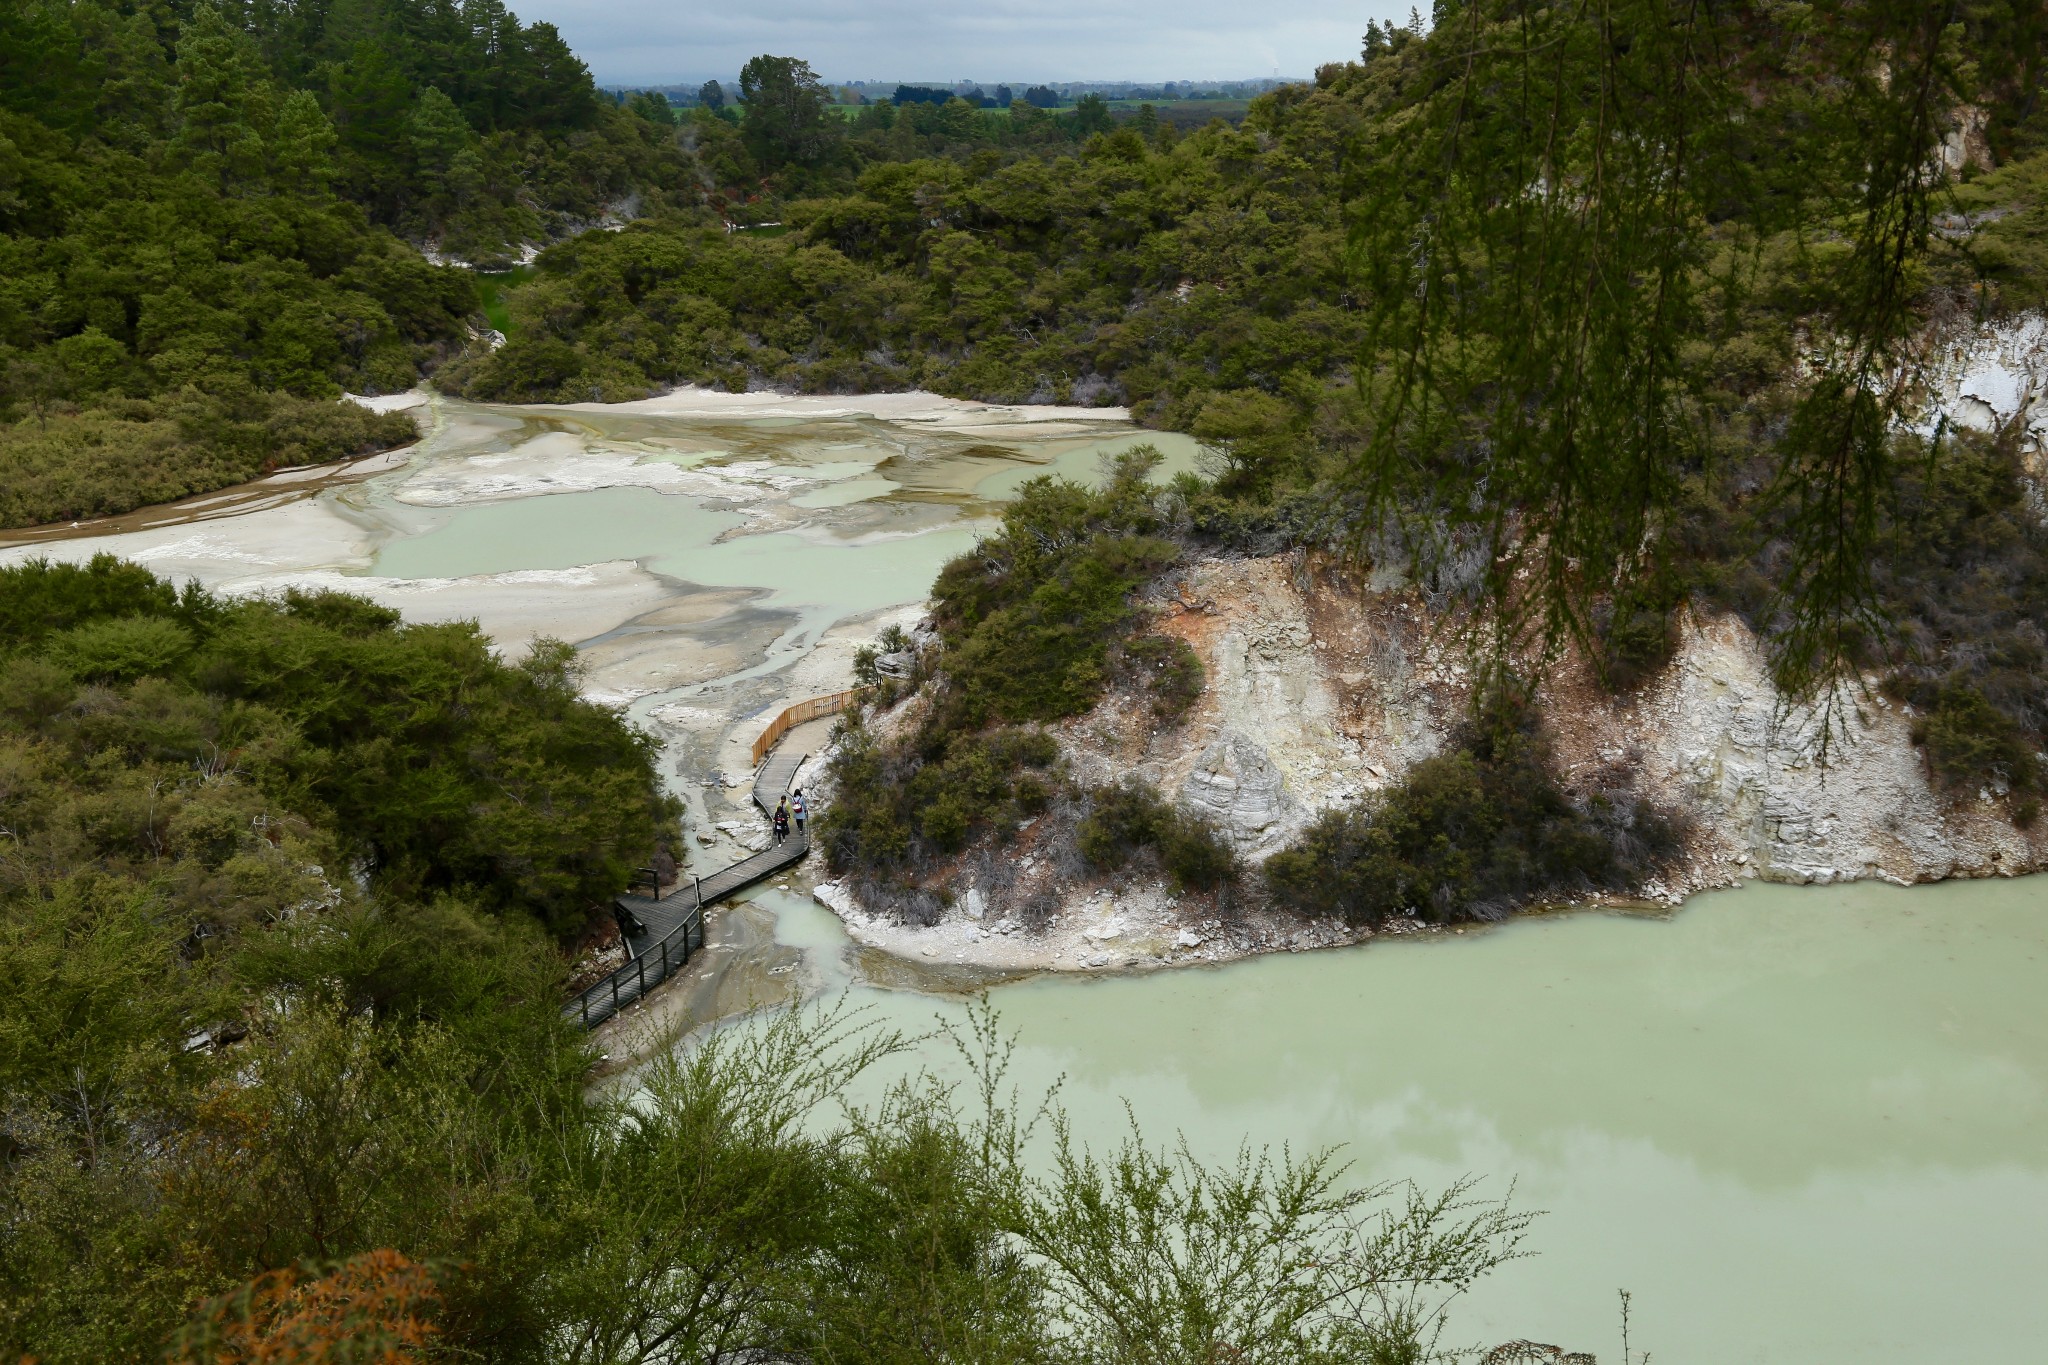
<point>1308,702</point>
<point>1320,689</point>
<point>1800,793</point>
<point>1985,377</point>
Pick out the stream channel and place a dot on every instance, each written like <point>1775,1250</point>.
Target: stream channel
<point>1800,1125</point>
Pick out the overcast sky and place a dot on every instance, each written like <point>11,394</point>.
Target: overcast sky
<point>658,42</point>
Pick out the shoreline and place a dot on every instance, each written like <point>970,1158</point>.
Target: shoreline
<point>1146,939</point>
<point>686,402</point>
<point>751,968</point>
<point>277,489</point>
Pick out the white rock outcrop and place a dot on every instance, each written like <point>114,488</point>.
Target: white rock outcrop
<point>1236,787</point>
<point>1987,376</point>
<point>1717,738</point>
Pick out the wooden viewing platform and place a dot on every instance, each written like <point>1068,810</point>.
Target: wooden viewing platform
<point>672,926</point>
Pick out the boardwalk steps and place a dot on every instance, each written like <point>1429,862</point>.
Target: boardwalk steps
<point>672,927</point>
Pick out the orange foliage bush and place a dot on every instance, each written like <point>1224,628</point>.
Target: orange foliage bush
<point>372,1309</point>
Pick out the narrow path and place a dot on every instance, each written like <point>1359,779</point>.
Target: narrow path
<point>672,928</point>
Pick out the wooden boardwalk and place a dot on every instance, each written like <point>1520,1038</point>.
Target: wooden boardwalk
<point>672,927</point>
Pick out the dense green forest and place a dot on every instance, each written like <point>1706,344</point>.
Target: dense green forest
<point>213,219</point>
<point>209,219</point>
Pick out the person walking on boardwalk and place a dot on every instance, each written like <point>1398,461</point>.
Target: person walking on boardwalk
<point>798,810</point>
<point>781,819</point>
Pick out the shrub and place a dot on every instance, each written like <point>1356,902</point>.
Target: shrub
<point>107,460</point>
<point>1961,616</point>
<point>121,649</point>
<point>1170,669</point>
<point>44,598</point>
<point>1969,741</point>
<point>896,810</point>
<point>1194,855</point>
<point>436,767</point>
<point>1636,642</point>
<point>1470,834</point>
<point>1026,624</point>
<point>1028,617</point>
<point>1122,820</point>
<point>1132,817</point>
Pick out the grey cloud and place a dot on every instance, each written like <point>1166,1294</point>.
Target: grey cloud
<point>651,42</point>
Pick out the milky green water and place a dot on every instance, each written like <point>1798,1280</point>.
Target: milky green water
<point>880,541</point>
<point>825,574</point>
<point>1799,1124</point>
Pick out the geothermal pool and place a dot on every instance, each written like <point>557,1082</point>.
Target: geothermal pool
<point>1801,1125</point>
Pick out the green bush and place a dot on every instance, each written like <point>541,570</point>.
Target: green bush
<point>1970,742</point>
<point>1169,668</point>
<point>1959,592</point>
<point>121,649</point>
<point>1636,642</point>
<point>1470,834</point>
<point>1027,622</point>
<point>434,765</point>
<point>896,811</point>
<point>103,461</point>
<point>1130,818</point>
<point>1964,578</point>
<point>1028,617</point>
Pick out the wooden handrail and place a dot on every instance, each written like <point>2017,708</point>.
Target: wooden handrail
<point>629,982</point>
<point>831,704</point>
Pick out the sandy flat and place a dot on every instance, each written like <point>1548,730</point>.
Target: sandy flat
<point>512,608</point>
<point>915,406</point>
<point>305,534</point>
<point>561,462</point>
<point>391,402</point>
<point>695,637</point>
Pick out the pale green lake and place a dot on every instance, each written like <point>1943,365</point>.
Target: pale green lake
<point>1801,1125</point>
<point>882,526</point>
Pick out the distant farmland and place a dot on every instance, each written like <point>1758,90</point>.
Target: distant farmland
<point>1182,114</point>
<point>1186,113</point>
